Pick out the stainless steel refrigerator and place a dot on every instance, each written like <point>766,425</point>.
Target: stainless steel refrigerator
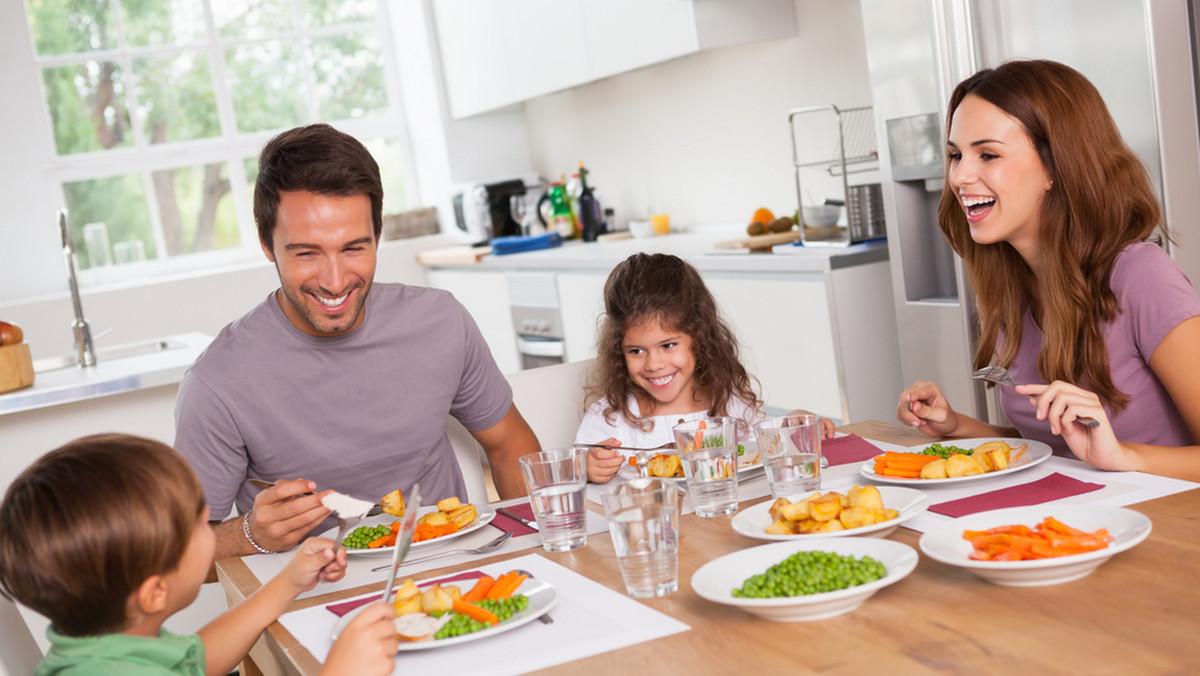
<point>1139,53</point>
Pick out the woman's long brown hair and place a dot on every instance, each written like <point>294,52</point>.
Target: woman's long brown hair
<point>647,287</point>
<point>1101,201</point>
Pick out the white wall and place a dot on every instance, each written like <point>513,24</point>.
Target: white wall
<point>704,137</point>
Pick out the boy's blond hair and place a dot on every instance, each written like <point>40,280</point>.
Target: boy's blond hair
<point>89,522</point>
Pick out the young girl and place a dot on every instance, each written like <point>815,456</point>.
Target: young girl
<point>108,537</point>
<point>1050,211</point>
<point>664,356</point>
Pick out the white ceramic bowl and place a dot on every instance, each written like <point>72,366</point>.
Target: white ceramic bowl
<point>753,520</point>
<point>821,214</point>
<point>717,579</point>
<point>641,229</point>
<point>946,544</point>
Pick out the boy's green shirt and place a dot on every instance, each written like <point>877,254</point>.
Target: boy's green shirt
<point>122,654</point>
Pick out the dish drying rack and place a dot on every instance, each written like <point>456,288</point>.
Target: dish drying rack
<point>854,151</point>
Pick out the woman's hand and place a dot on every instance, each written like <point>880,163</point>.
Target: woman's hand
<point>1062,405</point>
<point>924,407</point>
<point>604,463</point>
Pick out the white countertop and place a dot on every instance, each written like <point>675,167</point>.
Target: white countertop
<point>699,249</point>
<point>148,368</point>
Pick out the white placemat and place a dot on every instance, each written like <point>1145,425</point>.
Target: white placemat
<point>1120,488</point>
<point>358,571</point>
<point>589,619</point>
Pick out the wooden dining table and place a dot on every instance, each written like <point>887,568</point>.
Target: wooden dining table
<point>1139,613</point>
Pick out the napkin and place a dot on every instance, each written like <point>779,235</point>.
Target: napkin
<point>344,607</point>
<point>848,449</point>
<point>1049,488</point>
<point>507,523</point>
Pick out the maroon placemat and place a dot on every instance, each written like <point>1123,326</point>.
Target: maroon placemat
<point>344,607</point>
<point>848,449</point>
<point>506,523</point>
<point>1045,489</point>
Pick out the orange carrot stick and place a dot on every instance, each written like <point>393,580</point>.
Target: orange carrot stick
<point>482,586</point>
<point>474,612</point>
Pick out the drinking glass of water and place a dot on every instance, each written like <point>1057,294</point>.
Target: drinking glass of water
<point>790,448</point>
<point>556,479</point>
<point>708,449</point>
<point>643,520</point>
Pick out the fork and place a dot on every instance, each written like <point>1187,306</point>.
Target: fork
<point>1001,376</point>
<point>481,549</point>
<point>545,617</point>
<point>669,444</point>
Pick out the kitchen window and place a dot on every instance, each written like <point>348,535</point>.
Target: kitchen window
<point>159,107</point>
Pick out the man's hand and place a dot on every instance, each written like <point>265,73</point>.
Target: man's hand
<point>283,513</point>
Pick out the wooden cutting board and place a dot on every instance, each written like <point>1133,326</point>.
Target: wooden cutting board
<point>761,242</point>
<point>16,367</point>
<point>454,255</point>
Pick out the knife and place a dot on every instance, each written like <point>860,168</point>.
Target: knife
<point>404,537</point>
<point>513,515</point>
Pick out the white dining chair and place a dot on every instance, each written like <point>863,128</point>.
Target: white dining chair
<point>19,652</point>
<point>550,399</point>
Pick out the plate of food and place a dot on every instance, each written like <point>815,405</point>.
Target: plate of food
<point>667,465</point>
<point>426,617</point>
<point>436,524</point>
<point>956,461</point>
<point>862,510</point>
<point>1067,542</point>
<point>798,570</point>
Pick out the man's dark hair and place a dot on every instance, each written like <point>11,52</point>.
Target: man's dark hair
<point>318,159</point>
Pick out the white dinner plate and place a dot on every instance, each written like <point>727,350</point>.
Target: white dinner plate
<point>483,516</point>
<point>717,579</point>
<point>542,597</point>
<point>753,520</point>
<point>1036,453</point>
<point>946,544</point>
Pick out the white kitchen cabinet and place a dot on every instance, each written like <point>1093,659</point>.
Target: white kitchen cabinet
<point>485,295</point>
<point>500,52</point>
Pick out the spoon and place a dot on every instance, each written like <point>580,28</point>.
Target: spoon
<point>1000,376</point>
<point>545,617</point>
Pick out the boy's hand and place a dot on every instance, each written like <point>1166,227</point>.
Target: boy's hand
<point>283,514</point>
<point>315,559</point>
<point>604,463</point>
<point>367,644</point>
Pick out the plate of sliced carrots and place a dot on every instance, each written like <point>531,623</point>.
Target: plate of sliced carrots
<point>904,466</point>
<point>1036,545</point>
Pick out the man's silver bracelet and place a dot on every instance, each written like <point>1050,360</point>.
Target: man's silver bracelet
<point>246,532</point>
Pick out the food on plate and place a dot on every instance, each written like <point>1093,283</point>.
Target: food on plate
<point>817,513</point>
<point>429,526</point>
<point>665,465</point>
<point>10,334</point>
<point>940,461</point>
<point>1050,538</point>
<point>444,611</point>
<point>393,503</point>
<point>346,506</point>
<point>811,572</point>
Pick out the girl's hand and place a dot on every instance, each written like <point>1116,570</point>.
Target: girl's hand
<point>367,645</point>
<point>1061,404</point>
<point>315,559</point>
<point>604,463</point>
<point>924,407</point>
<point>827,427</point>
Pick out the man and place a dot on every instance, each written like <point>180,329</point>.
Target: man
<point>344,383</point>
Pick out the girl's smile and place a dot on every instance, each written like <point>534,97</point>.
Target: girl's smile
<point>661,363</point>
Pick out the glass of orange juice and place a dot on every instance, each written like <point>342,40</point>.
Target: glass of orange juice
<point>661,223</point>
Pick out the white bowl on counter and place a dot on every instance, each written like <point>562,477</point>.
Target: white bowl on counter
<point>641,229</point>
<point>822,215</point>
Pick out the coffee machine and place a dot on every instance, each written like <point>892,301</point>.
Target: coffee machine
<point>482,209</point>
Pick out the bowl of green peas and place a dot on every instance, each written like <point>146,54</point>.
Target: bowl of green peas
<point>802,581</point>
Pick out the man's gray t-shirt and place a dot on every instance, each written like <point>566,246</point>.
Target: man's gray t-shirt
<point>362,413</point>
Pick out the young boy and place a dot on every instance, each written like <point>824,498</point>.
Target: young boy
<point>108,536</point>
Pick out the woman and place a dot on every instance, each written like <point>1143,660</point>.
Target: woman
<point>1049,209</point>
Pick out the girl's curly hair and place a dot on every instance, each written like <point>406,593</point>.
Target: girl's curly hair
<point>663,288</point>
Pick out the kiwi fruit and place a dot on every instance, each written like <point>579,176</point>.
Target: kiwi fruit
<point>756,228</point>
<point>781,224</point>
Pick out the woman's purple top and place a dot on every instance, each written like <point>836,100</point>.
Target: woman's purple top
<point>1154,297</point>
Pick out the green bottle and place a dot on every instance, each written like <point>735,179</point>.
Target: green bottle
<point>561,219</point>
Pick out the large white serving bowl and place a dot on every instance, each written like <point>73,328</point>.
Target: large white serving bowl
<point>753,520</point>
<point>946,544</point>
<point>717,579</point>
